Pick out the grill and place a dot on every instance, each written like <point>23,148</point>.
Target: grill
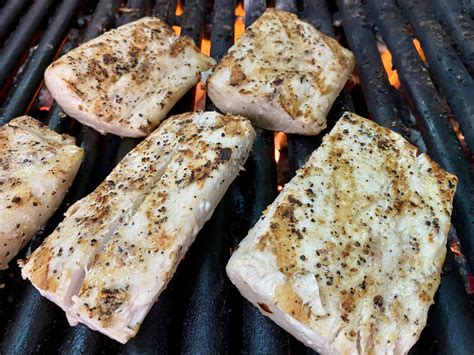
<point>200,312</point>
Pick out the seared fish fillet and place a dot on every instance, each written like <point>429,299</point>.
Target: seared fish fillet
<point>126,80</point>
<point>37,166</point>
<point>348,257</point>
<point>109,260</point>
<point>282,73</point>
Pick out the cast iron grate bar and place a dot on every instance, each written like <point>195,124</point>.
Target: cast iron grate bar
<point>165,10</point>
<point>206,319</point>
<point>9,15</point>
<point>20,40</point>
<point>378,93</point>
<point>457,84</point>
<point>32,75</point>
<point>460,26</point>
<point>193,18</point>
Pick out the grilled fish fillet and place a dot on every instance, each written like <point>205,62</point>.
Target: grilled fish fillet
<point>37,166</point>
<point>126,80</point>
<point>282,73</point>
<point>348,257</point>
<point>109,260</point>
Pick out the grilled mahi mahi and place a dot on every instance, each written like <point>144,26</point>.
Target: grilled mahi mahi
<point>125,81</point>
<point>109,260</point>
<point>37,166</point>
<point>349,256</point>
<point>282,73</point>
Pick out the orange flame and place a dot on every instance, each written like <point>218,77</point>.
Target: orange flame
<point>179,8</point>
<point>280,142</point>
<point>200,99</point>
<point>458,132</point>
<point>387,63</point>
<point>419,50</point>
<point>391,73</point>
<point>239,26</point>
<point>178,12</point>
<point>177,30</point>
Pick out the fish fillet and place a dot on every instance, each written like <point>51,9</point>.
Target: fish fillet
<point>126,80</point>
<point>109,260</point>
<point>37,166</point>
<point>283,74</point>
<point>348,257</point>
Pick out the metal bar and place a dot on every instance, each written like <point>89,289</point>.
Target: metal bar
<point>253,10</point>
<point>381,100</point>
<point>23,337</point>
<point>452,317</point>
<point>135,9</point>
<point>205,327</point>
<point>222,35</point>
<point>317,13</point>
<point>19,40</point>
<point>32,75</point>
<point>9,15</point>
<point>57,119</point>
<point>444,61</point>
<point>103,18</point>
<point>205,318</point>
<point>154,335</point>
<point>460,26</point>
<point>193,18</point>
<point>468,7</point>
<point>286,5</point>
<point>165,10</point>
<point>437,132</point>
<point>80,341</point>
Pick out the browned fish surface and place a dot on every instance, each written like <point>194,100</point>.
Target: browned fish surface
<point>126,80</point>
<point>116,250</point>
<point>282,73</point>
<point>37,166</point>
<point>348,257</point>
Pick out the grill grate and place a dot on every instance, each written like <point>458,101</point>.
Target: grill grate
<point>200,311</point>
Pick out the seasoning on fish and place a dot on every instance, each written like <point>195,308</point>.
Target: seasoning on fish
<point>125,81</point>
<point>349,256</point>
<point>37,166</point>
<point>112,256</point>
<point>283,74</point>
